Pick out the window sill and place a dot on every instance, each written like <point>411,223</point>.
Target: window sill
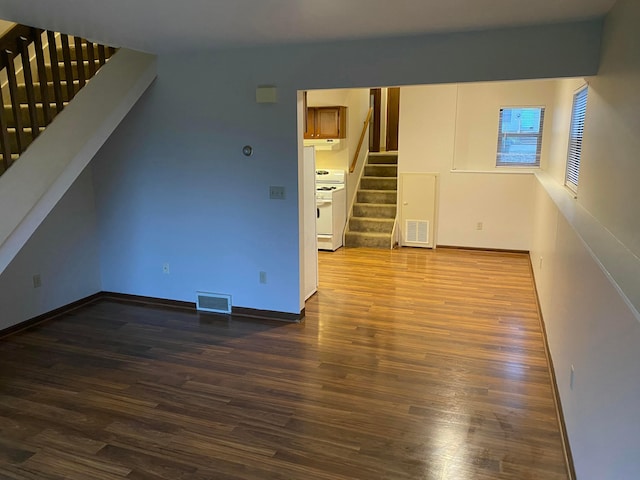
<point>501,171</point>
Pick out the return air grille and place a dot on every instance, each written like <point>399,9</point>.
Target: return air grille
<point>213,302</point>
<point>417,231</point>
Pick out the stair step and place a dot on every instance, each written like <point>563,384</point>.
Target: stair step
<point>377,196</point>
<point>24,114</point>
<point>14,157</point>
<point>74,70</point>
<point>13,139</point>
<point>22,91</point>
<point>72,51</point>
<point>374,210</point>
<point>371,240</point>
<point>371,224</point>
<point>382,158</point>
<point>381,170</point>
<point>379,183</point>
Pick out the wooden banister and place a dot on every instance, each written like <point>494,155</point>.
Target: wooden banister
<point>362,135</point>
<point>29,98</point>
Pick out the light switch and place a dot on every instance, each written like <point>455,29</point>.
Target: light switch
<point>276,193</point>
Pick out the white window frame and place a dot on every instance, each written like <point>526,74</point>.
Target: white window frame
<point>576,138</point>
<point>538,135</point>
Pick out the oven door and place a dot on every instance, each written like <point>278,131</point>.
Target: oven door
<point>324,225</point>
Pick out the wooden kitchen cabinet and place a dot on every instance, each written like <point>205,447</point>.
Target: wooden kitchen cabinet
<point>326,122</point>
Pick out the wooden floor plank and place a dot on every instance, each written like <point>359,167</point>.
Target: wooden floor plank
<point>409,364</point>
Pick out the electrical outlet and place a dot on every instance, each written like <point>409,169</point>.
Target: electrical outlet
<point>479,226</point>
<point>263,277</point>
<point>37,281</point>
<point>165,269</point>
<point>572,377</point>
<point>276,193</point>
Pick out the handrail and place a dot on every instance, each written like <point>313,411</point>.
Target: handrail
<point>30,107</point>
<point>364,132</point>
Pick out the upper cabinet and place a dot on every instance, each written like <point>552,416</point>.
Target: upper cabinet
<point>326,122</point>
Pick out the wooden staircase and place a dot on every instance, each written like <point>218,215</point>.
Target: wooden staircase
<point>40,82</point>
<point>374,212</point>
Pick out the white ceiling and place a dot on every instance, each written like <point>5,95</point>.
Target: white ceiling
<point>173,25</point>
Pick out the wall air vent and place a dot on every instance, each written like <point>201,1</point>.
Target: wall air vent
<point>417,231</point>
<point>213,302</point>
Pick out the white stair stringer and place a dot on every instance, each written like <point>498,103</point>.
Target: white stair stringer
<point>44,172</point>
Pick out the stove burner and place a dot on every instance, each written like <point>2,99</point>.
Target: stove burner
<point>324,189</point>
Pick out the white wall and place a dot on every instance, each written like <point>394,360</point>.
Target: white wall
<point>446,125</point>
<point>63,251</point>
<point>173,187</point>
<point>590,326</point>
<point>588,280</point>
<point>610,168</point>
<point>478,110</point>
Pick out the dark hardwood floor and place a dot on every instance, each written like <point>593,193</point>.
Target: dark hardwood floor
<point>410,364</point>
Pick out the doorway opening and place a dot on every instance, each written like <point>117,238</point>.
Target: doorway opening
<point>451,131</point>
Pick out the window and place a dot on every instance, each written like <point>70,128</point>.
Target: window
<point>575,139</point>
<point>520,137</point>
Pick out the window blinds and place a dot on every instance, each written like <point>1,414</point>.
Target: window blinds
<point>520,136</point>
<point>576,133</point>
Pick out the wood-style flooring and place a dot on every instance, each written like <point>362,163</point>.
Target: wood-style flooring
<point>410,364</point>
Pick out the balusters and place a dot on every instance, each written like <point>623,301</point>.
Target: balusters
<point>5,145</point>
<point>68,68</point>
<point>102,55</point>
<point>42,76</point>
<point>55,71</point>
<point>79,60</point>
<point>23,43</point>
<point>16,47</point>
<point>91,58</point>
<point>7,57</point>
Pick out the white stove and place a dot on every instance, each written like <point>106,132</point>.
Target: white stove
<point>331,208</point>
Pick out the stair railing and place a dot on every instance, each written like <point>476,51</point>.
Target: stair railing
<point>352,169</point>
<point>34,80</point>
<point>367,120</point>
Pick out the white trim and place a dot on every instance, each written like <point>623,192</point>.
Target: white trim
<point>524,171</point>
